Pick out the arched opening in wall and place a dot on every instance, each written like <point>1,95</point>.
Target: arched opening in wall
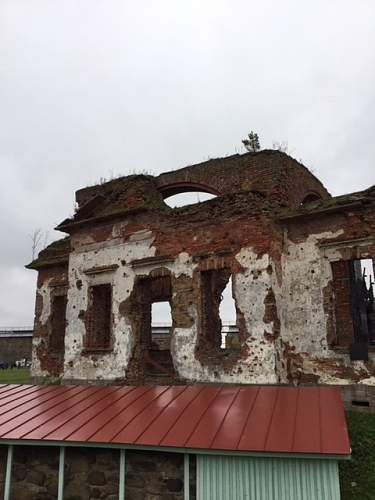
<point>228,315</point>
<point>188,198</point>
<point>161,325</point>
<point>311,197</point>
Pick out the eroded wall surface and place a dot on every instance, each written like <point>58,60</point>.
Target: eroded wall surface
<point>309,348</point>
<point>120,255</point>
<point>94,263</point>
<point>125,237</point>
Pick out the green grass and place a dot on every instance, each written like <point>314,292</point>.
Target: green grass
<point>15,376</point>
<point>357,476</point>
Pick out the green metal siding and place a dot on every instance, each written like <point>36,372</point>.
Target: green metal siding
<point>248,478</point>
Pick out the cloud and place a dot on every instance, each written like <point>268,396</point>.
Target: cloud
<point>89,88</point>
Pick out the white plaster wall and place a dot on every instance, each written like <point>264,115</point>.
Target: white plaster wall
<point>109,365</point>
<point>250,289</point>
<point>45,292</point>
<point>306,272</point>
<point>90,254</point>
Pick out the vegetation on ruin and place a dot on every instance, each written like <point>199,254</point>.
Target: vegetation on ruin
<point>357,476</point>
<point>252,143</point>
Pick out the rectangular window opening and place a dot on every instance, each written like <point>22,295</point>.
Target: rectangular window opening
<point>99,317</point>
<point>159,362</point>
<point>57,338</point>
<point>218,316</point>
<point>353,286</point>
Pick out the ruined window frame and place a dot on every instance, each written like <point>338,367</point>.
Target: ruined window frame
<point>360,307</point>
<point>148,270</point>
<point>89,344</point>
<point>345,251</point>
<point>204,340</point>
<point>58,291</point>
<point>97,276</point>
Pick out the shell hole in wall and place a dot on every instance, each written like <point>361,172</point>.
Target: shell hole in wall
<point>188,198</point>
<point>228,315</point>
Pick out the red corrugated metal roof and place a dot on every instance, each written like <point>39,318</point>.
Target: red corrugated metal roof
<point>231,418</point>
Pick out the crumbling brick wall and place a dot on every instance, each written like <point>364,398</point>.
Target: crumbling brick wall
<point>50,321</point>
<point>317,327</point>
<point>141,247</point>
<point>272,173</point>
<point>279,250</point>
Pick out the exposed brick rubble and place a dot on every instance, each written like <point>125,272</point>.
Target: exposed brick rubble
<point>273,228</point>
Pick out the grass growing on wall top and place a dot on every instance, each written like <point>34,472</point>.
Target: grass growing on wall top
<point>357,476</point>
<point>15,376</point>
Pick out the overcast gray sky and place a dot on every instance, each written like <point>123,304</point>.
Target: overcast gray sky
<point>95,88</point>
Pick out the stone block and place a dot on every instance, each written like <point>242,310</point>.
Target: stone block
<point>78,464</point>
<point>133,494</point>
<point>36,477</point>
<point>76,490</point>
<point>174,485</point>
<point>111,488</point>
<point>95,493</point>
<point>134,480</point>
<point>19,473</point>
<point>112,477</point>
<point>43,496</point>
<point>104,458</point>
<point>146,466</point>
<point>19,492</point>
<point>96,478</point>
<point>52,485</point>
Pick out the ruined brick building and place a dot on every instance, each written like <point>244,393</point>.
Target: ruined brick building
<point>304,312</point>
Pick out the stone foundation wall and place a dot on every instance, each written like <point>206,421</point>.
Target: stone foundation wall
<point>35,473</point>
<point>358,397</point>
<point>157,476</point>
<point>93,473</point>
